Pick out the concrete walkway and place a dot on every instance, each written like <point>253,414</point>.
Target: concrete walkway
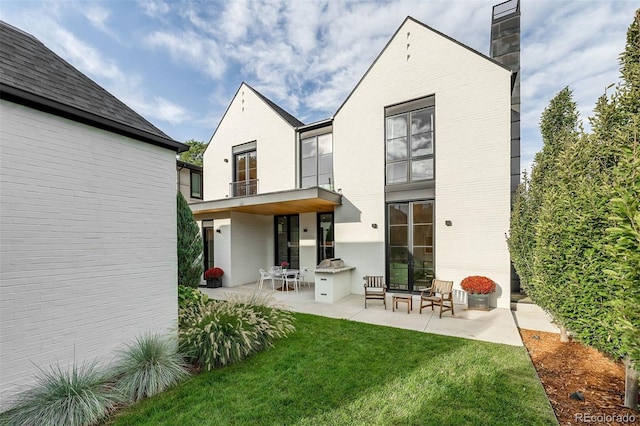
<point>498,325</point>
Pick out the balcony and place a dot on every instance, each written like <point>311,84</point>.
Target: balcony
<point>243,188</point>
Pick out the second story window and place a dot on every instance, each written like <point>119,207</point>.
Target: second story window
<point>409,143</point>
<point>246,173</point>
<point>196,184</point>
<point>316,158</point>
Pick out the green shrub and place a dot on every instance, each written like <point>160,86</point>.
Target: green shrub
<point>190,295</point>
<point>223,332</point>
<point>190,265</point>
<point>148,366</point>
<point>79,395</point>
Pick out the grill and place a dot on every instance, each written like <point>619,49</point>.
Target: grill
<point>331,264</point>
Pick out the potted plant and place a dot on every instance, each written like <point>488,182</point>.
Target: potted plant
<point>478,289</point>
<point>213,277</point>
<point>284,265</point>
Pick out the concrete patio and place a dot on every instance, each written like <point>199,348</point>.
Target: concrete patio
<point>497,325</point>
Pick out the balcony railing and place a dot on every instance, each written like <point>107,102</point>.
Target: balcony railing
<point>243,188</point>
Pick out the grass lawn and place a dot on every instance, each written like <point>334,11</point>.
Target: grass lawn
<point>338,372</point>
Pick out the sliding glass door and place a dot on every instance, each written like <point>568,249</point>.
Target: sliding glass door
<point>410,245</point>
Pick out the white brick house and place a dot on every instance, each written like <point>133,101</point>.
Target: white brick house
<point>409,179</point>
<point>87,217</point>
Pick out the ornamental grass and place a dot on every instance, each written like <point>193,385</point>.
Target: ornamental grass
<point>148,366</point>
<point>73,396</point>
<point>218,333</point>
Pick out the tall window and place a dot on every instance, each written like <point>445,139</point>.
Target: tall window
<point>317,161</point>
<point>409,146</point>
<point>246,174</point>
<point>196,184</point>
<point>326,249</point>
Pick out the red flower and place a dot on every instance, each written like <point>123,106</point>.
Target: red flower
<point>479,285</point>
<point>213,273</point>
<point>285,264</point>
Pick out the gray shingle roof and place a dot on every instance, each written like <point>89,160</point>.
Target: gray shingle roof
<point>32,74</point>
<point>284,114</point>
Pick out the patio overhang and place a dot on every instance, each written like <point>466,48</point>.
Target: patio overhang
<point>294,201</point>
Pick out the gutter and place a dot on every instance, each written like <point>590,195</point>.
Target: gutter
<point>41,103</point>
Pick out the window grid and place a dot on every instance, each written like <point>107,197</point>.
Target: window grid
<point>316,161</point>
<point>409,146</point>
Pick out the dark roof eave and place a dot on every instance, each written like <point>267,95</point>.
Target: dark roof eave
<point>316,124</point>
<point>185,165</point>
<point>41,103</point>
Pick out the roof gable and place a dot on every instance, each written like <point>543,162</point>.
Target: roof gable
<point>32,74</point>
<point>411,19</point>
<point>294,122</point>
<point>290,119</point>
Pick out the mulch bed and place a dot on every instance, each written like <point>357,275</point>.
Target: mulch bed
<point>565,368</point>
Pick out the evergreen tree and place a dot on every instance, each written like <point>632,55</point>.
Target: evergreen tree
<point>624,248</point>
<point>559,126</point>
<point>190,246</point>
<point>594,219</point>
<point>623,238</point>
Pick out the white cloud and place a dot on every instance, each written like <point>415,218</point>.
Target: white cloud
<point>200,53</point>
<point>157,107</point>
<point>98,16</point>
<point>154,8</point>
<point>235,20</point>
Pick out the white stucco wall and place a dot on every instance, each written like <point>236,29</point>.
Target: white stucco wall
<point>87,242</point>
<point>252,247</point>
<point>249,119</point>
<point>472,143</point>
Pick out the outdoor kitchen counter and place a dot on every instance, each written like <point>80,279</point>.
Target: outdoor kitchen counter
<point>332,284</point>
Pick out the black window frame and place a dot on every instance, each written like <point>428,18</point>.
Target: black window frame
<point>201,186</point>
<point>319,247</point>
<point>407,109</point>
<point>317,157</point>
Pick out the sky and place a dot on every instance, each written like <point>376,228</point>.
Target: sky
<point>179,63</point>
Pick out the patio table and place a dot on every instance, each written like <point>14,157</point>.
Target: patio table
<point>405,298</point>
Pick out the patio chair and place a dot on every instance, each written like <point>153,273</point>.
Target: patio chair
<point>439,294</point>
<point>375,288</point>
<point>303,277</point>
<point>265,276</point>
<point>293,278</point>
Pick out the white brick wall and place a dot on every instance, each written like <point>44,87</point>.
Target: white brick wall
<point>249,119</point>
<point>472,113</point>
<point>87,242</point>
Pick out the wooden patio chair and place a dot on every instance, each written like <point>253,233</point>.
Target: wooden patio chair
<point>439,294</point>
<point>375,288</point>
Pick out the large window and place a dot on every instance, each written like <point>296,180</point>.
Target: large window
<point>316,168</point>
<point>246,174</point>
<point>409,146</point>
